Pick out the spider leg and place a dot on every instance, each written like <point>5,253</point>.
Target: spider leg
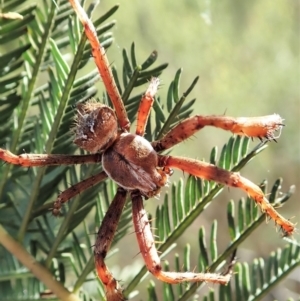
<point>260,127</point>
<point>211,172</point>
<point>104,239</point>
<point>75,190</point>
<point>103,66</point>
<point>45,160</point>
<point>145,106</point>
<point>151,258</point>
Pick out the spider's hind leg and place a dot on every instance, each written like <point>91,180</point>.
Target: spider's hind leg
<point>150,255</point>
<point>104,239</point>
<point>211,172</point>
<point>76,189</point>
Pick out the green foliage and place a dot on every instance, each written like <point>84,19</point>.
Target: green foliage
<point>44,74</point>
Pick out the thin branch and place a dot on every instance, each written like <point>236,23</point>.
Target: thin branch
<point>35,267</point>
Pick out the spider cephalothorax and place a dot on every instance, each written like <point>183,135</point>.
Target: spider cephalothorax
<point>139,169</point>
<point>96,127</point>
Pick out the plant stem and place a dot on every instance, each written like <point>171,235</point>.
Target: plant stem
<point>35,267</point>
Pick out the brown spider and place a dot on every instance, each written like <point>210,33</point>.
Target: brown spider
<point>140,171</point>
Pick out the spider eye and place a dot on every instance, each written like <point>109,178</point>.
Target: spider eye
<point>96,127</point>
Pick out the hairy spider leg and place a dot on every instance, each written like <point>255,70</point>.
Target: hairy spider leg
<point>103,66</point>
<point>35,160</point>
<point>104,239</point>
<point>211,172</point>
<point>76,189</point>
<point>31,160</point>
<point>145,106</point>
<point>150,255</point>
<point>259,127</point>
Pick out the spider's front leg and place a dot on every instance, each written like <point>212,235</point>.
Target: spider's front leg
<point>150,255</point>
<point>30,160</point>
<point>39,160</point>
<point>104,239</point>
<point>211,172</point>
<point>103,65</point>
<point>145,106</point>
<point>256,127</point>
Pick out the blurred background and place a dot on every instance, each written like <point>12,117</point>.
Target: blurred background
<point>247,56</point>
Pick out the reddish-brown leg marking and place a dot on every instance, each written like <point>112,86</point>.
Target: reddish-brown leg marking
<point>151,258</point>
<point>105,237</point>
<point>260,127</point>
<point>145,106</point>
<point>74,190</point>
<point>213,173</point>
<point>103,66</point>
<point>31,160</point>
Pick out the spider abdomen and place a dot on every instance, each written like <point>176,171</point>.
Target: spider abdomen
<point>132,163</point>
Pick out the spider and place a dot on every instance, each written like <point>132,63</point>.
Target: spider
<point>139,168</point>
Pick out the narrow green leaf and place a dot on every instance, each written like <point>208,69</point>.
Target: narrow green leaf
<point>254,277</point>
<point>229,151</point>
<point>14,54</point>
<point>132,55</point>
<point>261,266</point>
<point>146,75</point>
<point>116,78</point>
<point>102,31</point>
<point>269,267</point>
<point>245,145</point>
<point>213,155</point>
<point>211,296</point>
<point>225,293</point>
<point>248,211</point>
<point>241,216</point>
<point>222,160</point>
<point>170,97</point>
<point>166,217</point>
<point>131,84</point>
<point>174,113</point>
<point>151,292</point>
<point>274,190</point>
<point>213,241</point>
<point>236,150</point>
<point>178,268</point>
<point>188,195</point>
<point>230,219</point>
<point>238,281</point>
<point>150,60</point>
<point>186,258</point>
<point>62,68</point>
<point>168,293</point>
<point>126,65</point>
<point>159,114</point>
<point>245,281</point>
<point>203,248</point>
<point>180,200</point>
<point>157,230</point>
<point>176,85</point>
<point>187,107</point>
<point>174,208</point>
